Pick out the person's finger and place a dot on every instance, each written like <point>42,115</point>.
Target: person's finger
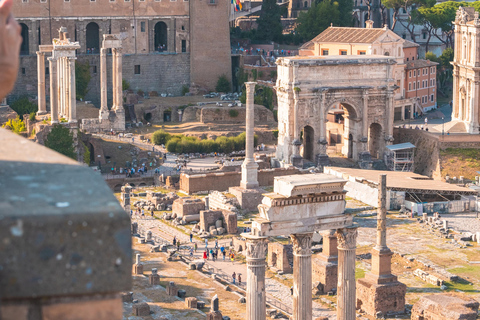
<point>5,9</point>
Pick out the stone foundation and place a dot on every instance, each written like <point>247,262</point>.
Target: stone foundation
<point>218,219</point>
<point>279,257</point>
<point>141,309</point>
<point>325,272</point>
<point>386,297</point>
<point>187,206</point>
<point>249,199</point>
<point>445,307</point>
<point>191,302</point>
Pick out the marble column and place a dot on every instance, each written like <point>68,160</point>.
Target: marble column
<point>403,113</point>
<point>114,80</point>
<point>73,91</point>
<point>296,158</point>
<point>42,103</point>
<point>118,73</point>
<point>103,114</point>
<point>346,298</point>
<point>68,87</point>
<point>256,297</point>
<point>61,86</point>
<point>249,166</point>
<point>52,64</point>
<point>302,276</point>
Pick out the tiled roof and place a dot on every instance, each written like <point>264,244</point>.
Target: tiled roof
<point>349,35</point>
<point>307,46</point>
<point>410,44</point>
<point>420,64</point>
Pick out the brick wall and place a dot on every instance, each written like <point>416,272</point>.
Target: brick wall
<point>224,180</point>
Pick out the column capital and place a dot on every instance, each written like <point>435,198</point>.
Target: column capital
<point>302,244</point>
<point>250,85</point>
<point>52,58</point>
<point>40,53</point>
<point>347,238</point>
<point>255,248</point>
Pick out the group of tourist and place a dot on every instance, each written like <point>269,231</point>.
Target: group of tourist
<point>263,52</point>
<point>139,212</point>
<point>161,48</point>
<point>92,50</point>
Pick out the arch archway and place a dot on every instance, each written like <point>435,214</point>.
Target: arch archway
<point>24,48</point>
<point>93,38</point>
<point>117,188</point>
<point>161,37</point>
<point>342,126</point>
<point>375,145</point>
<point>308,143</point>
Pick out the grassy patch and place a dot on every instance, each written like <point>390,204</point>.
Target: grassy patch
<point>457,162</point>
<point>359,272</point>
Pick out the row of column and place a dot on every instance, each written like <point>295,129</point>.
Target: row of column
<point>302,275</point>
<point>116,81</point>
<point>62,87</point>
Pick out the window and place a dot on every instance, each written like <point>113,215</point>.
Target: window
<point>43,1</point>
<point>432,70</point>
<point>414,85</point>
<point>305,4</point>
<point>142,26</point>
<point>414,73</point>
<point>325,52</point>
<point>361,52</point>
<point>409,86</point>
<point>137,69</point>
<point>69,0</point>
<point>24,1</point>
<point>407,59</point>
<point>183,27</point>
<point>127,0</point>
<point>387,53</point>
<point>343,52</point>
<point>424,35</point>
<point>184,45</point>
<point>94,69</point>
<point>418,84</point>
<point>404,36</point>
<point>47,71</point>
<point>109,0</point>
<point>431,98</point>
<point>23,71</point>
<point>433,81</point>
<point>410,73</point>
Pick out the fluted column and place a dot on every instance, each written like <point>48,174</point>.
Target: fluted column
<point>256,298</point>
<point>346,300</point>
<point>302,276</point>
<point>52,64</point>
<point>249,166</point>
<point>103,84</point>
<point>68,88</point>
<point>73,91</point>
<point>42,103</point>
<point>118,69</point>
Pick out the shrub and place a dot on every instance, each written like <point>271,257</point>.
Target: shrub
<point>16,125</point>
<point>183,144</point>
<point>60,139</point>
<point>160,137</point>
<point>223,85</point>
<point>185,89</point>
<point>233,113</point>
<point>254,74</point>
<point>125,85</point>
<point>275,134</point>
<point>23,106</point>
<point>31,117</point>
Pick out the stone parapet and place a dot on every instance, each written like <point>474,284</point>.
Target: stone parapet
<point>77,240</point>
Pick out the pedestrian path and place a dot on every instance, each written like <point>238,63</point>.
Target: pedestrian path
<point>273,288</point>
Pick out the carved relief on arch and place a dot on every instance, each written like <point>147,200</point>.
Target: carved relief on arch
<point>463,91</point>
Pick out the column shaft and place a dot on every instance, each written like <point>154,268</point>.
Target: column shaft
<point>256,298</point>
<point>249,166</point>
<point>382,213</point>
<point>118,69</point>
<point>302,276</point>
<point>346,298</point>
<point>365,117</point>
<point>103,80</point>
<point>114,79</point>
<point>67,88</point>
<point>42,103</point>
<point>52,63</point>
<point>73,91</point>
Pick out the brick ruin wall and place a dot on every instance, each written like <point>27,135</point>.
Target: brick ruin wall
<point>224,180</point>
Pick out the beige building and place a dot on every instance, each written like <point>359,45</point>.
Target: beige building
<point>167,44</point>
<point>466,72</point>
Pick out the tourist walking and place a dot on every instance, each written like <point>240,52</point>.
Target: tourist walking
<point>206,243</point>
<point>205,257</point>
<point>195,247</point>
<point>224,254</point>
<point>216,243</point>
<point>239,279</point>
<point>174,240</point>
<point>178,245</point>
<point>232,257</point>
<point>191,237</point>
<point>233,277</point>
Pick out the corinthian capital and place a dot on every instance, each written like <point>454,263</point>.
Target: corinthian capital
<point>255,248</point>
<point>302,243</point>
<point>347,238</point>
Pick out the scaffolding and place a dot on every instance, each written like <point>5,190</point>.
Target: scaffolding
<point>399,157</point>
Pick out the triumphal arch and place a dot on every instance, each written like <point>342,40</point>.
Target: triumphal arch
<point>340,104</point>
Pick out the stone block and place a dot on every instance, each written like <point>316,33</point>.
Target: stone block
<point>200,304</point>
<point>154,278</point>
<point>191,302</point>
<point>127,296</point>
<point>181,293</point>
<point>172,289</point>
<point>138,268</point>
<point>249,199</point>
<point>445,307</point>
<point>141,309</point>
<point>385,297</point>
<point>214,315</point>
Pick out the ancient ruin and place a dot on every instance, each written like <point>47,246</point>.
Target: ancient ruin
<point>299,206</point>
<point>114,118</point>
<point>380,291</point>
<point>63,100</point>
<point>308,87</point>
<point>325,265</point>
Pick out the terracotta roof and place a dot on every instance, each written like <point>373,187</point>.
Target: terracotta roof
<point>349,35</point>
<point>410,44</point>
<point>307,46</point>
<point>420,64</point>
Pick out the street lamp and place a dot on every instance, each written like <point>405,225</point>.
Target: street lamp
<point>443,126</point>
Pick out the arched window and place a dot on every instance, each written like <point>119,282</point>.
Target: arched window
<point>24,48</point>
<point>161,39</point>
<point>93,38</point>
<point>305,4</point>
<point>387,53</point>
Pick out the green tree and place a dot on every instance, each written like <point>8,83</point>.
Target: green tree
<point>223,85</point>
<point>160,137</point>
<point>345,9</point>
<point>269,23</point>
<point>317,19</point>
<point>23,106</point>
<point>125,85</point>
<point>82,79</point>
<point>60,139</point>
